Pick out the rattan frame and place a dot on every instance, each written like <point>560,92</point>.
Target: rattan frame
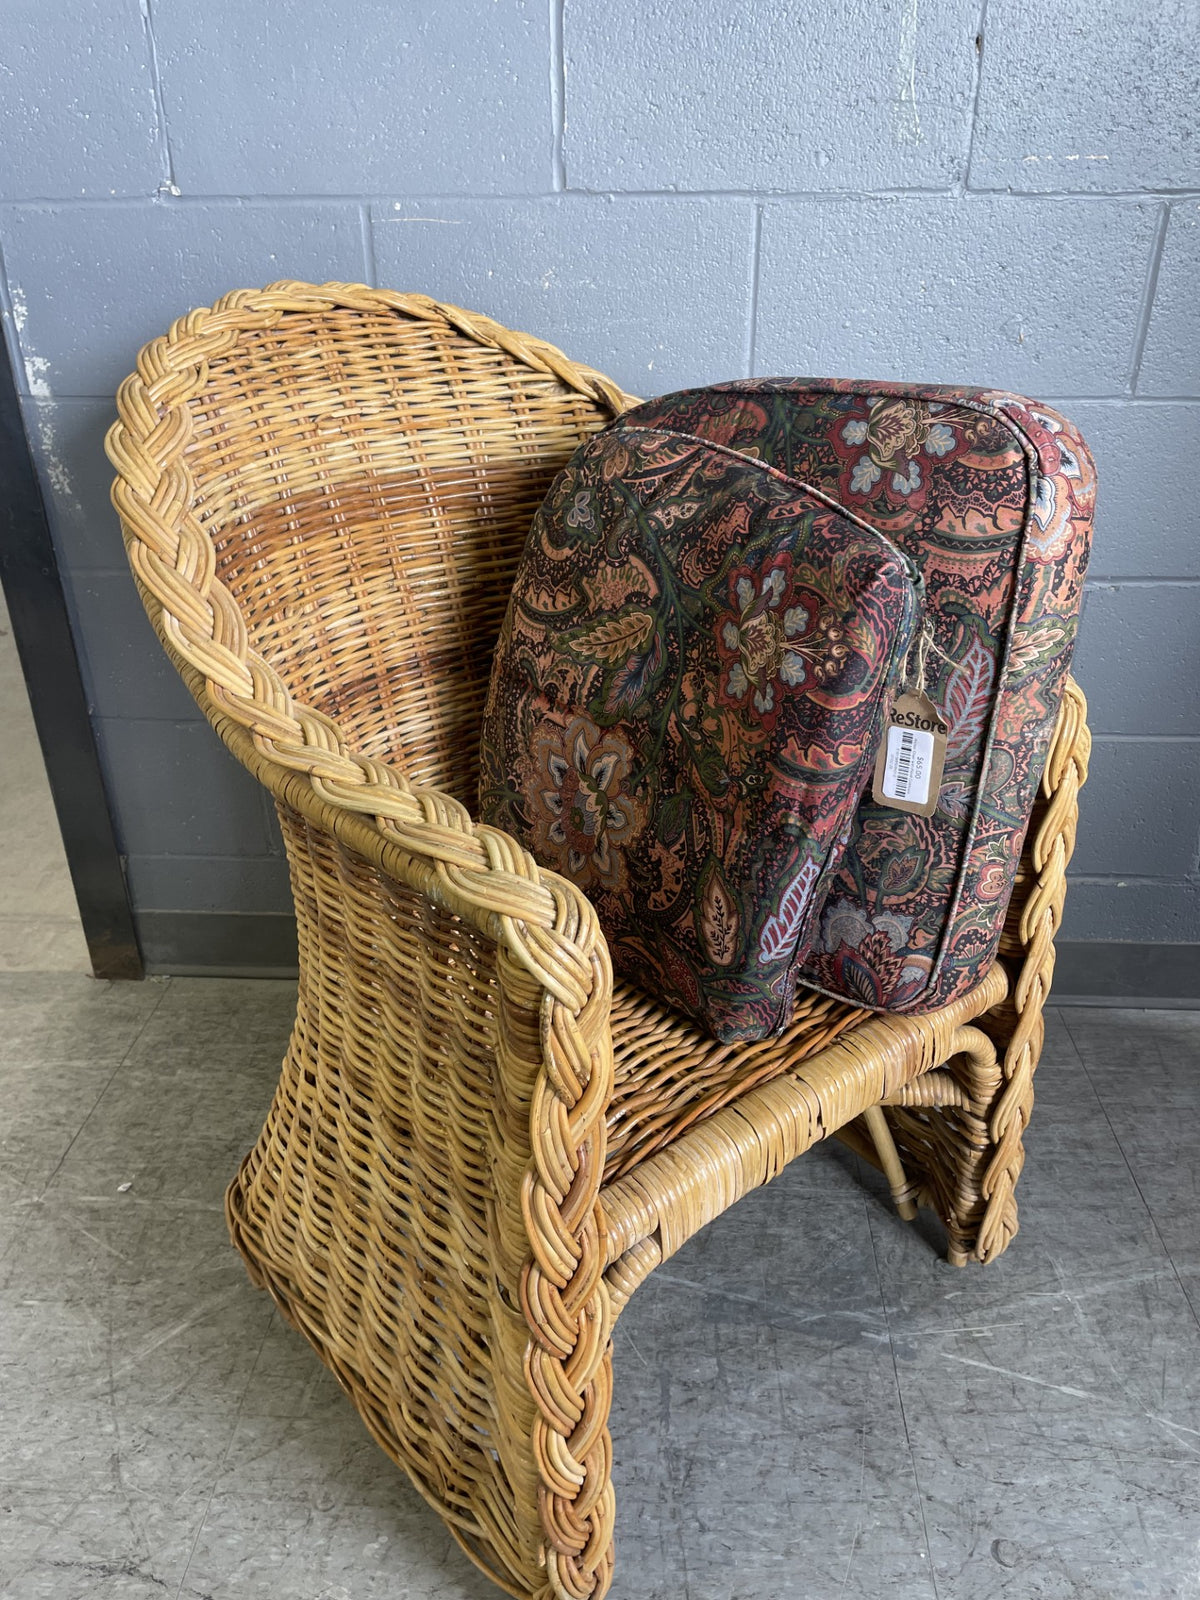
<point>459,1185</point>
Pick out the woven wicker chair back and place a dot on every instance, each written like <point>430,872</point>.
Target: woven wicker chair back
<point>368,477</point>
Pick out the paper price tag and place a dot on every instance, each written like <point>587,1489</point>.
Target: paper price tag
<point>908,768</point>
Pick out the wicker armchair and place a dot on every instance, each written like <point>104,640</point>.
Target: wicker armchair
<point>479,1147</point>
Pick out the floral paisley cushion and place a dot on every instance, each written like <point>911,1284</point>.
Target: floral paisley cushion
<point>685,705</point>
<point>992,496</point>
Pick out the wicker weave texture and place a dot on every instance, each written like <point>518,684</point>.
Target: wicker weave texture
<point>477,1151</point>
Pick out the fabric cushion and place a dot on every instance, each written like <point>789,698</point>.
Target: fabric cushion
<point>685,706</point>
<point>992,495</point>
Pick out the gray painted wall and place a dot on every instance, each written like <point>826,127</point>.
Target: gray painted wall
<point>1001,192</point>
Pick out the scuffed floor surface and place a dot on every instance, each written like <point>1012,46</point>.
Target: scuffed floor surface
<point>811,1405</point>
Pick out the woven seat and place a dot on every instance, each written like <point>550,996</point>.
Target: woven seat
<point>478,1149</point>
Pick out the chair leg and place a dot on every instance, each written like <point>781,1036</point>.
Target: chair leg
<point>889,1160</point>
<point>940,1130</point>
<point>1012,1105</point>
<point>969,1215</point>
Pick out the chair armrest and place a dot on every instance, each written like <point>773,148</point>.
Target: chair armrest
<point>1053,843</point>
<point>554,1083</point>
<point>1028,946</point>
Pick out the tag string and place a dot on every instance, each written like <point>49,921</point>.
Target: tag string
<point>925,643</point>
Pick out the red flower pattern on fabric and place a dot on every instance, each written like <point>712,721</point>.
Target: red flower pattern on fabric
<point>891,450</point>
<point>775,637</point>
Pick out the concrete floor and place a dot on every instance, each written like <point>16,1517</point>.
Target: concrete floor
<point>810,1405</point>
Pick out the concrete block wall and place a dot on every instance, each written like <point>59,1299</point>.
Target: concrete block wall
<point>1000,192</point>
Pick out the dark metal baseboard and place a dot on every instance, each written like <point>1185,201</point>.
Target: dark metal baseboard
<point>218,944</point>
<point>1087,973</point>
<point>1110,973</point>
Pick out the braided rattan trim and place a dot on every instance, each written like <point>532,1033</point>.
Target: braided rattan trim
<point>1053,844</point>
<point>544,922</point>
<point>960,1128</point>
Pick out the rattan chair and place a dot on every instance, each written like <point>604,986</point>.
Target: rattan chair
<point>479,1147</point>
